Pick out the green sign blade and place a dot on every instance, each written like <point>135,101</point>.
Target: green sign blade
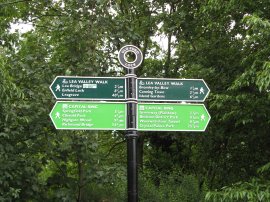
<point>190,90</point>
<point>79,115</point>
<point>172,117</point>
<point>89,88</point>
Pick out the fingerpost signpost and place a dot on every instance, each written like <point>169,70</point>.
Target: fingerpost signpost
<point>171,117</point>
<point>111,103</point>
<point>89,88</point>
<point>189,90</point>
<point>89,115</point>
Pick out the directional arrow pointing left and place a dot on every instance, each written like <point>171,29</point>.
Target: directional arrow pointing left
<point>89,88</point>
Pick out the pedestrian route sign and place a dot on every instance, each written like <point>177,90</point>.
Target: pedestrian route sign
<point>81,115</point>
<point>89,88</point>
<point>189,90</point>
<point>172,117</point>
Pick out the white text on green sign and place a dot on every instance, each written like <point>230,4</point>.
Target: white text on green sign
<point>89,88</point>
<point>89,115</point>
<point>190,90</point>
<point>172,117</point>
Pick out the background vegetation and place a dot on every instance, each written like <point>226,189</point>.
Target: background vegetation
<point>226,43</point>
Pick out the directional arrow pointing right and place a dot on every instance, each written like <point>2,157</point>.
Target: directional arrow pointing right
<point>172,117</point>
<point>189,90</point>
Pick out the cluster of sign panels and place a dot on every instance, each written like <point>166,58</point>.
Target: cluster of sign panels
<point>70,113</point>
<point>89,115</point>
<point>101,103</point>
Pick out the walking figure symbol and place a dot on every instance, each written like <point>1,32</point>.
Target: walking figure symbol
<point>203,117</point>
<point>57,115</point>
<point>57,88</point>
<point>201,90</point>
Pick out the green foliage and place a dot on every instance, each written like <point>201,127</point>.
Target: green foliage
<point>172,187</point>
<point>257,189</point>
<point>19,163</point>
<point>106,192</point>
<point>255,47</point>
<point>8,89</point>
<point>225,43</point>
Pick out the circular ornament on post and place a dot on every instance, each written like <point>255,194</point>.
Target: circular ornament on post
<point>122,57</point>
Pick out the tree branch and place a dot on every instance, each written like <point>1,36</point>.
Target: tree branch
<point>14,2</point>
<point>112,148</point>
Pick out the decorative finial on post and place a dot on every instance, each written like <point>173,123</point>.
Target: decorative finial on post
<point>122,57</point>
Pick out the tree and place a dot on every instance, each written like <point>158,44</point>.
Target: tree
<point>225,43</point>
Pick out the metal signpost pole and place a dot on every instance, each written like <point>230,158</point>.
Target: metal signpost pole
<point>131,134</point>
<point>132,139</point>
